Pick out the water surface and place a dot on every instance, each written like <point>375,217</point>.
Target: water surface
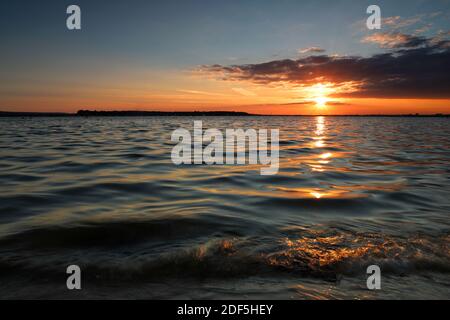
<point>103,193</point>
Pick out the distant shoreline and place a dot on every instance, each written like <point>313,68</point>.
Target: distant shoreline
<point>89,113</point>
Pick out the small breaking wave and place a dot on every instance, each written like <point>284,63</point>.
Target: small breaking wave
<point>324,254</point>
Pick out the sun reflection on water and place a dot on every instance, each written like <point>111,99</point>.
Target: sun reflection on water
<point>320,125</point>
<point>326,155</point>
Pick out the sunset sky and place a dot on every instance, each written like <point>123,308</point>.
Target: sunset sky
<point>267,57</point>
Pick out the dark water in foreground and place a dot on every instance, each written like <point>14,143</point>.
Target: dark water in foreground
<point>103,193</point>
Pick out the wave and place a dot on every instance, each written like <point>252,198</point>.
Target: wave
<point>104,252</point>
<point>120,232</point>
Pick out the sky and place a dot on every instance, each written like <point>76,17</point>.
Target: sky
<point>258,56</point>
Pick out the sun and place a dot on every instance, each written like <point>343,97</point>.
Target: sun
<point>321,102</point>
<point>319,93</point>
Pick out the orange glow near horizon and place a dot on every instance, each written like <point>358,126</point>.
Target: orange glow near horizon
<point>187,93</point>
<point>350,107</point>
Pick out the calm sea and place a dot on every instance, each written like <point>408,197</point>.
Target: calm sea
<point>102,193</point>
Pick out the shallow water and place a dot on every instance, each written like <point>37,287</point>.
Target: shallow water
<point>103,193</point>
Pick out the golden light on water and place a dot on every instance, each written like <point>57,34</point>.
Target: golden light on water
<point>319,144</point>
<point>326,155</point>
<point>320,127</point>
<point>317,195</point>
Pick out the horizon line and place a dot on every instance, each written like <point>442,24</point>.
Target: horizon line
<point>118,113</point>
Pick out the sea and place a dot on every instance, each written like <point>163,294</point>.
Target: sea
<point>102,193</point>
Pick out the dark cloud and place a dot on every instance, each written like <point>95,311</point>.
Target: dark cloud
<point>417,72</point>
<point>338,103</point>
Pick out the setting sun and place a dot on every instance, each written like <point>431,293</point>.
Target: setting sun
<point>319,94</point>
<point>321,102</point>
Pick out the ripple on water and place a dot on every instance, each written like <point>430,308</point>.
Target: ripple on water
<point>103,192</point>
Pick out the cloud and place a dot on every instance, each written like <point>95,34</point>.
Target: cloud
<point>302,102</point>
<point>415,69</point>
<point>244,92</point>
<point>338,103</point>
<point>391,40</point>
<point>312,102</point>
<point>199,92</point>
<point>398,22</point>
<point>391,20</point>
<point>424,28</point>
<point>311,50</point>
<point>441,39</point>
